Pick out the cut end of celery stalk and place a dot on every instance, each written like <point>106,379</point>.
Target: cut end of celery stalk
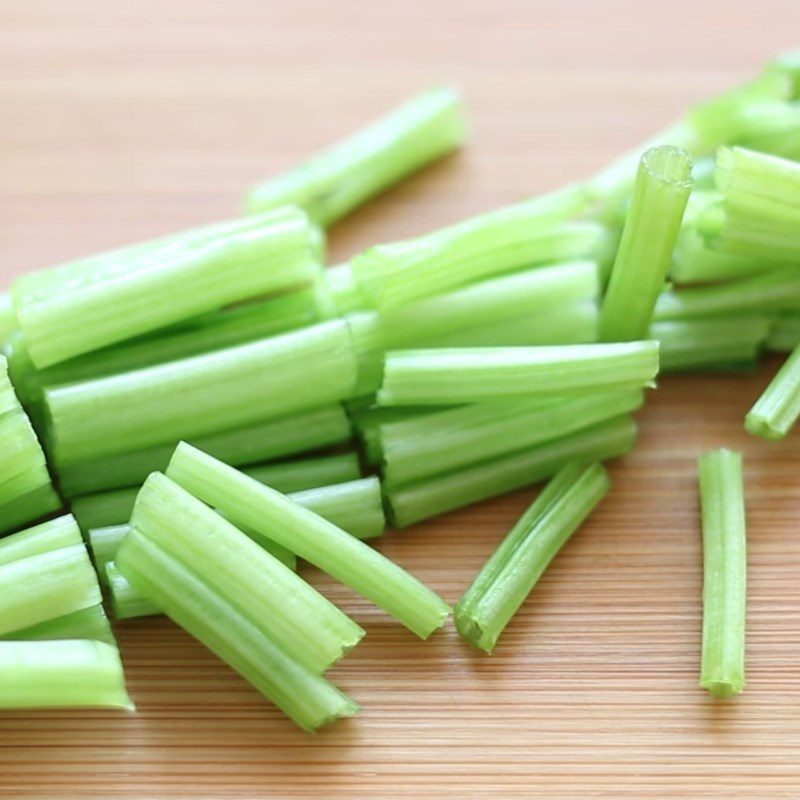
<point>722,688</point>
<point>757,425</point>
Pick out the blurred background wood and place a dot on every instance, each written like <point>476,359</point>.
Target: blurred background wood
<point>126,120</point>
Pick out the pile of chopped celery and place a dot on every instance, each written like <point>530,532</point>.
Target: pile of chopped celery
<point>215,406</point>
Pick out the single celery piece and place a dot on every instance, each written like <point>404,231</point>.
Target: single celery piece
<point>189,601</point>
<point>447,376</point>
<point>310,536</point>
<point>724,572</point>
<point>251,444</point>
<point>301,621</point>
<point>127,601</point>
<point>777,409</point>
<point>662,187</point>
<point>202,395</point>
<point>8,321</point>
<point>117,301</point>
<point>447,440</point>
<point>88,623</point>
<point>514,569</point>
<point>61,674</point>
<point>331,185</point>
<point>784,334</point>
<point>418,500</point>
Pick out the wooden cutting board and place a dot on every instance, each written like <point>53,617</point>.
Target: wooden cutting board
<point>126,120</point>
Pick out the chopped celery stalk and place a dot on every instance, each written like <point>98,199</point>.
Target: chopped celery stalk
<point>313,538</point>
<point>8,321</point>
<point>202,395</point>
<point>788,65</point>
<point>88,623</point>
<point>774,413</point>
<point>342,289</point>
<point>724,572</point>
<point>52,535</point>
<point>418,500</point>
<point>331,185</point>
<point>514,569</point>
<point>61,674</point>
<point>97,511</point>
<point>784,335</point>
<point>295,616</point>
<point>662,187</point>
<point>709,343</point>
<point>251,444</point>
<point>126,601</point>
<point>189,601</point>
<point>30,506</point>
<point>447,440</point>
<point>368,422</point>
<point>447,376</point>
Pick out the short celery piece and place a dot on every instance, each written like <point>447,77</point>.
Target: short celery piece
<point>776,411</point>
<point>88,623</point>
<point>300,620</point>
<point>62,674</point>
<point>202,395</point>
<point>660,193</point>
<point>725,572</point>
<point>310,536</point>
<point>418,500</point>
<point>127,601</point>
<point>335,182</point>
<point>514,569</point>
<point>169,584</point>
<point>447,376</point>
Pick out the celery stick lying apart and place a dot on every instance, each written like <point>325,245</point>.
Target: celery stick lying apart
<point>777,410</point>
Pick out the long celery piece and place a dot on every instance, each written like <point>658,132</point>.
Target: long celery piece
<point>88,623</point>
<point>447,376</point>
<point>61,674</point>
<point>189,601</point>
<point>418,500</point>
<point>778,408</point>
<point>127,601</point>
<point>202,395</point>
<point>251,444</point>
<point>724,572</point>
<point>310,536</point>
<point>300,620</point>
<point>332,184</point>
<point>784,334</point>
<point>8,321</point>
<point>447,440</point>
<point>662,187</point>
<point>514,569</point>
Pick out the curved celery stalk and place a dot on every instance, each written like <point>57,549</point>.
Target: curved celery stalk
<point>340,179</point>
<point>127,601</point>
<point>303,695</point>
<point>778,408</point>
<point>474,375</point>
<point>202,395</point>
<point>514,569</point>
<point>724,572</point>
<point>88,623</point>
<point>310,536</point>
<point>61,674</point>
<point>660,193</point>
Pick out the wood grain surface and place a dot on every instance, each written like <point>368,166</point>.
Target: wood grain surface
<point>122,120</point>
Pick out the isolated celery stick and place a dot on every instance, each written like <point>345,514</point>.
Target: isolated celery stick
<point>662,188</point>
<point>447,376</point>
<point>202,395</point>
<point>514,569</point>
<point>299,619</point>
<point>88,623</point>
<point>310,536</point>
<point>784,334</point>
<point>447,440</point>
<point>418,500</point>
<point>127,601</point>
<point>776,411</point>
<point>725,571</point>
<point>61,674</point>
<point>332,184</point>
<point>171,585</point>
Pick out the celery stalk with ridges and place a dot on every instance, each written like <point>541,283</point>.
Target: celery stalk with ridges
<point>778,408</point>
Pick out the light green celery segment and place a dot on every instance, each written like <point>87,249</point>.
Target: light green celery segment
<point>777,409</point>
<point>784,333</point>
<point>342,289</point>
<point>43,538</point>
<point>340,179</point>
<point>516,566</point>
<point>724,572</point>
<point>117,301</point>
<point>202,395</point>
<point>710,343</point>
<point>368,423</point>
<point>313,538</point>
<point>662,187</point>
<point>447,376</point>
<point>295,616</point>
<point>447,440</point>
<point>192,603</point>
<point>31,505</point>
<point>61,674</point>
<point>87,623</point>
<point>418,500</point>
<point>8,321</point>
<point>127,601</point>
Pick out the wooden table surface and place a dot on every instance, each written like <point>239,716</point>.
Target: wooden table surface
<point>126,120</point>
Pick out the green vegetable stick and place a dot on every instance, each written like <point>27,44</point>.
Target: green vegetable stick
<point>88,623</point>
<point>127,601</point>
<point>776,411</point>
